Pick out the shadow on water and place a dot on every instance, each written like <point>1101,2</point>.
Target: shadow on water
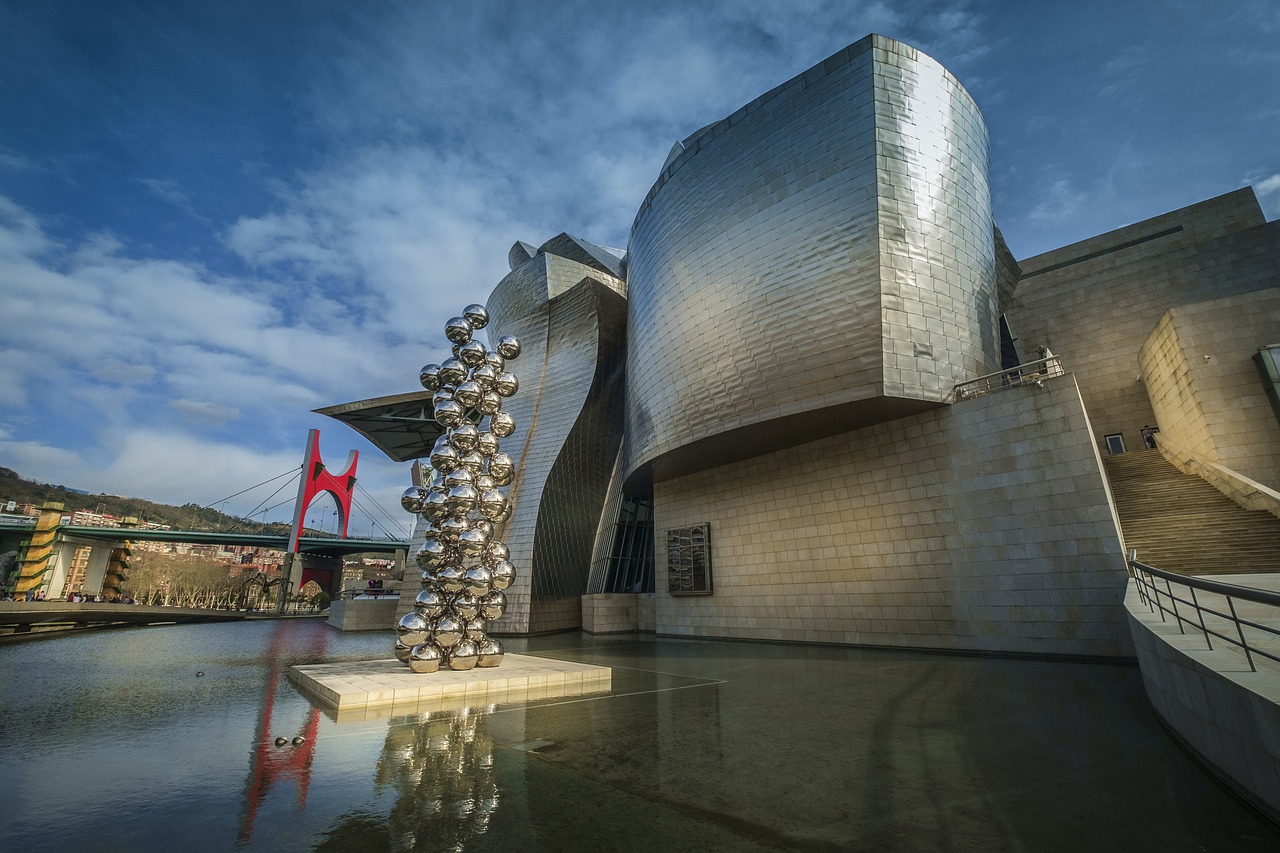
<point>115,741</point>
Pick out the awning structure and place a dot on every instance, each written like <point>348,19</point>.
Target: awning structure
<point>401,426</point>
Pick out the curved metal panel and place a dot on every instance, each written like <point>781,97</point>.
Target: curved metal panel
<point>823,256</point>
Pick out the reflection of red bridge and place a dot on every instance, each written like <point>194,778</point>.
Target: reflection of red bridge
<point>268,763</point>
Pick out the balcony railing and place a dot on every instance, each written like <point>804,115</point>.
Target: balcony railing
<point>1219,611</point>
<point>1030,373</point>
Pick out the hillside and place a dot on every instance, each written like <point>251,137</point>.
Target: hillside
<point>14,487</point>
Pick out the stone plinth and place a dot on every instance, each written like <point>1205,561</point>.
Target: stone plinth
<point>366,614</point>
<point>362,685</point>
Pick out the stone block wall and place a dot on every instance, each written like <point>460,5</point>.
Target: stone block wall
<point>1204,385</point>
<point>1095,302</point>
<point>985,526</point>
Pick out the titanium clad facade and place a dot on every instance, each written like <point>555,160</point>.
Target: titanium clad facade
<point>822,259</point>
<point>570,317</point>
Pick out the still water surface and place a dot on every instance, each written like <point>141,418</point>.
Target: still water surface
<point>114,742</point>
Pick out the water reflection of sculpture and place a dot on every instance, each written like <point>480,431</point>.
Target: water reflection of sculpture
<point>443,771</point>
<point>465,569</point>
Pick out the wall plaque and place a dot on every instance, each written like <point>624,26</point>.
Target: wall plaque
<point>689,560</point>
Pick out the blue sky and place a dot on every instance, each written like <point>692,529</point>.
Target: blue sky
<point>215,217</point>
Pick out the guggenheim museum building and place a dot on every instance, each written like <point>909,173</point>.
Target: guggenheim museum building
<point>816,399</point>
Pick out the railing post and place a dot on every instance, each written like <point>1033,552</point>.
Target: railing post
<point>1244,644</point>
<point>1195,601</point>
<point>1174,602</point>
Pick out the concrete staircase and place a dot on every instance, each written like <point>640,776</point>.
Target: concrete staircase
<point>1180,523</point>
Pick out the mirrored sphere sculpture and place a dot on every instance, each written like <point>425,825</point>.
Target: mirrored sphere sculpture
<point>465,568</point>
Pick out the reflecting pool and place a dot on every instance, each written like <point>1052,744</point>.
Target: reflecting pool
<point>165,738</point>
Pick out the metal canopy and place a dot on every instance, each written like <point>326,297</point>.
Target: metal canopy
<point>401,426</point>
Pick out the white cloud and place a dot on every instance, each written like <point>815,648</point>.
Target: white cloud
<point>201,412</point>
<point>1058,202</point>
<point>1268,192</point>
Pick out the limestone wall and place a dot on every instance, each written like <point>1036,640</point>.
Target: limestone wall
<point>983,526</point>
<point>1095,302</point>
<point>1204,385</point>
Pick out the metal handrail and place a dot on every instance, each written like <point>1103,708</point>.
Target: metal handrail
<point>1153,596</point>
<point>1030,373</point>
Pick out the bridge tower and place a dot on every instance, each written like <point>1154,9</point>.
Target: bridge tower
<point>315,480</point>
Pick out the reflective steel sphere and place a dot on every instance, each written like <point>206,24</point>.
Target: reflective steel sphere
<point>460,476</point>
<point>501,424</point>
<point>484,526</point>
<point>508,346</point>
<point>472,461</point>
<point>506,384</point>
<point>450,579</point>
<point>429,603</point>
<point>501,469</point>
<point>429,376</point>
<point>468,394</point>
<point>495,361</point>
<point>457,330</point>
<point>471,542</point>
<point>487,444</point>
<point>484,482</point>
<point>452,372</point>
<point>465,605</point>
<point>492,504</point>
<point>462,499</point>
<point>465,656</point>
<point>503,574</point>
<point>402,651</point>
<point>497,551</point>
<point>464,436</point>
<point>413,628</point>
<point>479,581</point>
<point>430,555</point>
<point>444,459</point>
<point>448,631</point>
<point>411,500</point>
<point>451,527</point>
<point>472,353</point>
<point>436,507</point>
<point>493,605</point>
<point>449,414</point>
<point>425,657</point>
<point>484,376</point>
<point>475,630</point>
<point>489,403</point>
<point>476,315</point>
<point>490,652</point>
<point>441,395</point>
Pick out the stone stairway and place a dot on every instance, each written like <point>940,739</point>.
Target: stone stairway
<point>1180,523</point>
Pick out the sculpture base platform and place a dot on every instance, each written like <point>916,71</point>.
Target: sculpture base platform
<point>370,684</point>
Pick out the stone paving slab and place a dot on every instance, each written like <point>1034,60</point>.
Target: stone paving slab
<point>361,686</point>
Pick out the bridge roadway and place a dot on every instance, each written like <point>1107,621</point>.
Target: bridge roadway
<point>21,617</point>
<point>323,545</point>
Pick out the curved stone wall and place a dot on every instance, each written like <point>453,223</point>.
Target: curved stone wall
<point>821,259</point>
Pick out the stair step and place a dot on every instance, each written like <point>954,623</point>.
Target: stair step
<point>1179,522</point>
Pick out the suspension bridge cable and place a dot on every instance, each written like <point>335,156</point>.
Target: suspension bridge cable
<point>391,519</point>
<point>372,520</point>
<point>249,515</point>
<point>241,492</point>
<point>251,488</point>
